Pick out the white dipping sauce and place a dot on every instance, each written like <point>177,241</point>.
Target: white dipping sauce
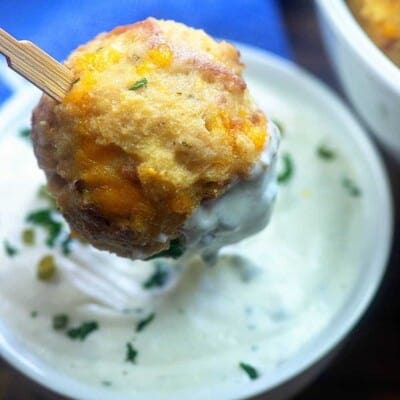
<point>243,210</point>
<point>266,298</point>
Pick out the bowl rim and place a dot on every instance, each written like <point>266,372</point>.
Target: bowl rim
<point>322,345</point>
<point>340,16</point>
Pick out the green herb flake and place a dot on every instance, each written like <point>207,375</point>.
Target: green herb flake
<point>66,245</point>
<point>46,268</point>
<point>25,133</point>
<point>34,314</point>
<point>82,331</point>
<point>131,353</point>
<point>45,219</point>
<point>250,371</point>
<point>288,169</point>
<point>185,144</point>
<point>60,322</point>
<point>144,322</point>
<point>351,187</point>
<point>75,81</point>
<point>10,250</point>
<point>28,236</point>
<point>158,278</point>
<point>176,249</point>
<point>326,153</point>
<point>106,383</point>
<point>138,84</point>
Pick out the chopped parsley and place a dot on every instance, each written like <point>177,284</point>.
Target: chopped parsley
<point>250,371</point>
<point>75,81</point>
<point>28,236</point>
<point>106,383</point>
<point>158,278</point>
<point>46,268</point>
<point>138,84</point>
<point>46,219</point>
<point>351,187</point>
<point>25,133</point>
<point>60,322</point>
<point>326,153</point>
<point>144,322</point>
<point>288,169</point>
<point>82,331</point>
<point>131,353</point>
<point>34,314</point>
<point>10,250</point>
<point>175,250</point>
<point>66,245</point>
<point>184,143</point>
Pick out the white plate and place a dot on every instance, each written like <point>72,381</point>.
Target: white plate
<point>263,71</point>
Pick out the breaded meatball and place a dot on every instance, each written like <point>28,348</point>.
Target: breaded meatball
<point>381,21</point>
<point>158,121</point>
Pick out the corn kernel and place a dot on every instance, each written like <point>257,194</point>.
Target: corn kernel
<point>28,236</point>
<point>46,269</point>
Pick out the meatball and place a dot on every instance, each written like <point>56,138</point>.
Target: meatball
<point>381,21</point>
<point>158,122</point>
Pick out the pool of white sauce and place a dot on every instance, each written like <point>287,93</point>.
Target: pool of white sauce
<point>265,299</point>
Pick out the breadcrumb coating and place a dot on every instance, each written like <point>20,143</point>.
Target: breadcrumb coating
<point>381,21</point>
<point>158,120</point>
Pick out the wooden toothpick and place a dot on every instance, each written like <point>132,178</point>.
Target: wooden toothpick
<point>36,66</point>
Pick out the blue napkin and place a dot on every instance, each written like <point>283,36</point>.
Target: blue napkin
<point>60,26</point>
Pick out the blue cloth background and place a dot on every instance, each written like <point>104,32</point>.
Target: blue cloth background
<point>59,26</point>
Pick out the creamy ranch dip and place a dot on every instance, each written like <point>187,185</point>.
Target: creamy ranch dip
<point>156,327</point>
<point>243,210</point>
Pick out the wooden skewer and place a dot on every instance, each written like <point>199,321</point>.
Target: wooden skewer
<point>36,66</point>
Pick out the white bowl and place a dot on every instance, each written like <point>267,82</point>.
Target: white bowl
<point>302,367</point>
<point>370,80</point>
